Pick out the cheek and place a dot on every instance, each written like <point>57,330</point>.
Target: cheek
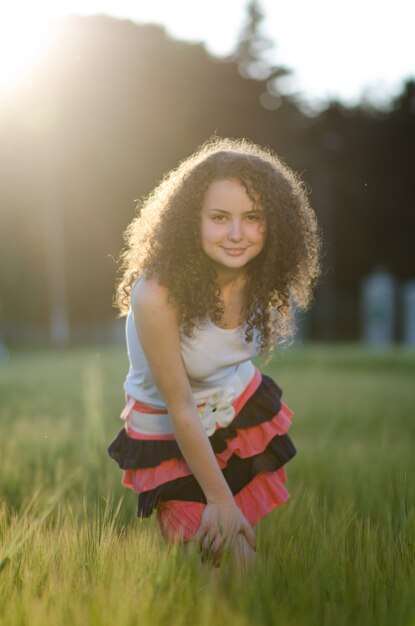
<point>259,232</point>
<point>204,237</point>
<point>208,232</point>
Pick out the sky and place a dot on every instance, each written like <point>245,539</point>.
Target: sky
<point>348,50</point>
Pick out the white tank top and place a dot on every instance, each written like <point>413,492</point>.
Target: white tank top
<point>211,358</point>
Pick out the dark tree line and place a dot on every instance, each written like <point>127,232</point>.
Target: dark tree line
<point>116,104</point>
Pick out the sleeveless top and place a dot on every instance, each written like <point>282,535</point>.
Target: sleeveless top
<point>212,357</point>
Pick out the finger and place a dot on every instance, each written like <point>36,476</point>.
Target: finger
<point>207,542</point>
<point>250,536</point>
<point>227,544</point>
<point>245,548</point>
<point>199,538</point>
<point>217,544</point>
<point>217,558</point>
<point>204,545</point>
<point>200,532</point>
<point>214,553</point>
<point>207,551</point>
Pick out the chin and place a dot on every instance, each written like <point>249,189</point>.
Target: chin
<point>235,263</point>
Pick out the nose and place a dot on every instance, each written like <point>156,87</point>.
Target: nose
<point>235,231</point>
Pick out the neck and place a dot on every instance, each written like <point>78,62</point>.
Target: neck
<point>227,277</point>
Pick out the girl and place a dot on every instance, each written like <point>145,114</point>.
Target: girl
<point>215,260</point>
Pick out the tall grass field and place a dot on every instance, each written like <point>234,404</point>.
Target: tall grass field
<point>339,553</point>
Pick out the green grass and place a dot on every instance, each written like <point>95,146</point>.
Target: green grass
<point>341,552</point>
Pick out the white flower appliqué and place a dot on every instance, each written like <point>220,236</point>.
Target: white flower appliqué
<point>218,410</point>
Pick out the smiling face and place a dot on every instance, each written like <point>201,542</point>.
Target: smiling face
<point>233,227</point>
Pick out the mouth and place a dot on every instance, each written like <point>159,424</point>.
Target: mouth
<point>234,251</point>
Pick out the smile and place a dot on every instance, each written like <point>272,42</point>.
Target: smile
<point>234,251</point>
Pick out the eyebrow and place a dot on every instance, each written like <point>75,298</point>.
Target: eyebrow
<point>213,210</point>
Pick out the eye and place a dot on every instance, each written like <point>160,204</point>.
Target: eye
<point>255,217</point>
<point>218,218</point>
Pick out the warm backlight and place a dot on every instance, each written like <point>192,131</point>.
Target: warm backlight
<point>26,30</point>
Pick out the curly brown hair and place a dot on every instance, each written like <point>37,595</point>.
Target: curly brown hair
<point>164,240</point>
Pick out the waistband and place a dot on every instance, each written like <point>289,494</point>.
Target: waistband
<point>218,409</point>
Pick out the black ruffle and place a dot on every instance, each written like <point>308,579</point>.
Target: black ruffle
<point>131,453</point>
<point>139,453</point>
<point>238,473</point>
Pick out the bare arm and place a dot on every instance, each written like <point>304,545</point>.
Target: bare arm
<point>157,327</point>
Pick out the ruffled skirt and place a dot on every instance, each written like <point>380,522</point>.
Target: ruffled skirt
<point>252,452</point>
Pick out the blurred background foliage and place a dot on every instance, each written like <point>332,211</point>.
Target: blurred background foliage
<point>116,104</point>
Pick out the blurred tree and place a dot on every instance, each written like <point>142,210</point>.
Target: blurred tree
<point>363,185</point>
<point>252,48</point>
<point>121,104</point>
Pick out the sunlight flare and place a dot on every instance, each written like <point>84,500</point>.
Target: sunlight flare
<point>26,32</point>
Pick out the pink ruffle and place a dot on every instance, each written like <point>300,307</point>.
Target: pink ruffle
<point>179,520</point>
<point>248,442</point>
<point>135,435</point>
<point>151,477</point>
<point>250,389</point>
<point>253,440</point>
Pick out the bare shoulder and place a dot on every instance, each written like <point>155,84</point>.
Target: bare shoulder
<point>155,320</point>
<point>157,327</point>
<point>149,296</point>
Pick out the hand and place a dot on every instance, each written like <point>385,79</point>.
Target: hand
<point>221,524</point>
